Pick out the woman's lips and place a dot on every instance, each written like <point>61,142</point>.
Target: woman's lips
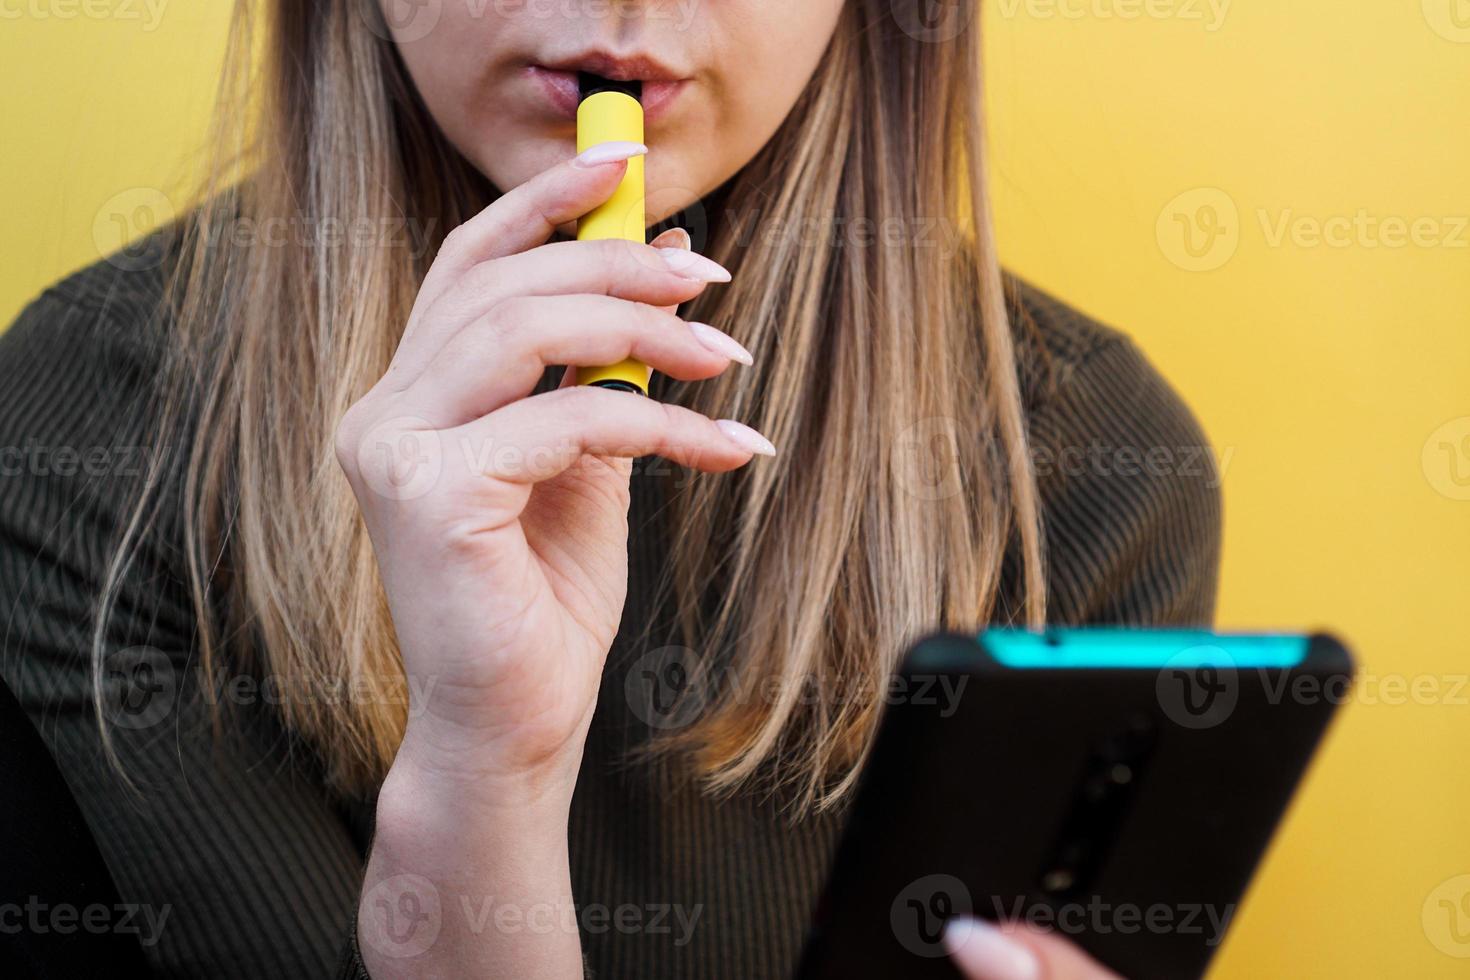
<point>563,94</point>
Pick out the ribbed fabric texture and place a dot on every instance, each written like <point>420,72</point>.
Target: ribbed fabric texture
<point>259,866</point>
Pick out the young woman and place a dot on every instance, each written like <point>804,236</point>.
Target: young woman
<point>402,721</point>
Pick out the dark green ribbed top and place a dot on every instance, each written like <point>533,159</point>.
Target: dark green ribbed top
<point>258,865</point>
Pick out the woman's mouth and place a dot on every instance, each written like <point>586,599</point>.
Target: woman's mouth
<point>558,81</point>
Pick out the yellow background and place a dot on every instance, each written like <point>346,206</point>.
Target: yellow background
<point>1334,381</point>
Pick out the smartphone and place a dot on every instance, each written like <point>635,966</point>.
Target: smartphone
<point>1117,786</point>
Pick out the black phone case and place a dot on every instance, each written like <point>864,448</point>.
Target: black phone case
<point>1070,798</point>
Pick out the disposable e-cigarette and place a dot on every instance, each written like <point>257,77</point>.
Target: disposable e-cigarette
<point>612,111</point>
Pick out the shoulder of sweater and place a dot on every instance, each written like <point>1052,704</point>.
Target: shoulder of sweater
<point>80,369</point>
<point>1053,340</point>
<point>109,312</point>
<point>1067,359</point>
<point>1129,486</point>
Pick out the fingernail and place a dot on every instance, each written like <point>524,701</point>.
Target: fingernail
<point>746,438</point>
<point>692,265</point>
<point>604,153</point>
<point>673,238</point>
<point>721,343</point>
<point>987,953</point>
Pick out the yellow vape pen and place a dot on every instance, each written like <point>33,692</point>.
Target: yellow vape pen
<point>610,111</point>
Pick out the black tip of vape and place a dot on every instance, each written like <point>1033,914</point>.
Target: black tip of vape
<point>614,385</point>
<point>591,84</point>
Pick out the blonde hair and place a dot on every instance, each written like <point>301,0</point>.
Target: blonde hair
<point>828,560</point>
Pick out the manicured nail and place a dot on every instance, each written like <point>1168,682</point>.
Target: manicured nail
<point>673,238</point>
<point>987,953</point>
<point>604,153</point>
<point>692,265</point>
<point>721,343</point>
<point>746,438</point>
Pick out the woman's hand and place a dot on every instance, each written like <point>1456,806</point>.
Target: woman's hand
<point>499,522</point>
<point>985,951</point>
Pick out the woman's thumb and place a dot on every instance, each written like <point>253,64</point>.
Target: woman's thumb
<point>985,951</point>
<point>673,238</point>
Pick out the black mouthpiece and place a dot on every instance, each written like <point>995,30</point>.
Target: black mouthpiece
<point>591,84</point>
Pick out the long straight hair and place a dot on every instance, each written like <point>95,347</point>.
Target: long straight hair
<point>869,290</point>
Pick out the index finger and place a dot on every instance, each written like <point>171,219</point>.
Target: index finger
<point>526,216</point>
<point>673,238</point>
